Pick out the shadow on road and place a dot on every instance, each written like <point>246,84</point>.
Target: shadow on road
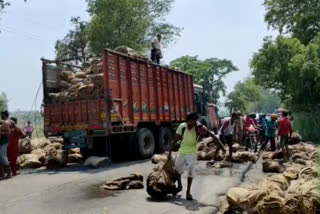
<point>193,205</point>
<point>82,169</point>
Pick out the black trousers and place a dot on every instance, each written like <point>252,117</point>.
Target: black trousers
<point>272,141</point>
<point>155,56</point>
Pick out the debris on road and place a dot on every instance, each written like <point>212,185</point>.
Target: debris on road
<point>133,181</point>
<point>222,164</point>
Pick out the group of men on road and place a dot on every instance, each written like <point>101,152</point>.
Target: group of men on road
<point>10,133</point>
<point>232,130</point>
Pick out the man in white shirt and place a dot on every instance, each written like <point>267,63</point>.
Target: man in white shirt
<point>156,49</point>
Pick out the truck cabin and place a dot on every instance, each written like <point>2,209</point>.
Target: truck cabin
<point>200,99</point>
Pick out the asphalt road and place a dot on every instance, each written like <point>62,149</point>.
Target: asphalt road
<point>75,190</point>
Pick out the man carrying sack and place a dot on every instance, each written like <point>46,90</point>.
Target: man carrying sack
<point>188,133</point>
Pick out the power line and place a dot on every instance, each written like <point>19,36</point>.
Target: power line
<point>26,34</point>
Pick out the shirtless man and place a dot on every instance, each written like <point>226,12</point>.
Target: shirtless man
<point>4,141</point>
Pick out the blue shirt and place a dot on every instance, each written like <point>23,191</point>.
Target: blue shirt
<point>271,128</point>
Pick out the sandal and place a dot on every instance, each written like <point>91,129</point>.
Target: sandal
<point>189,197</point>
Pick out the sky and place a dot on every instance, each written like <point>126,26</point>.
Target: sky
<point>226,29</point>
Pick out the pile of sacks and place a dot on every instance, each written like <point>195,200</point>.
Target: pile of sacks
<point>133,181</point>
<point>206,151</point>
<point>302,153</point>
<point>79,85</point>
<point>130,52</point>
<point>86,83</point>
<point>207,148</point>
<point>40,152</point>
<point>294,191</point>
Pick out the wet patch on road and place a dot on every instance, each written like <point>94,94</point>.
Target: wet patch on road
<point>235,170</point>
<point>95,191</point>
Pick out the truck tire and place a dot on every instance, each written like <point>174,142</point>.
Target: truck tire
<point>145,144</point>
<point>164,139</point>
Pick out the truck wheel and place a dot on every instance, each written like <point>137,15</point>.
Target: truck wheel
<point>145,144</point>
<point>164,139</point>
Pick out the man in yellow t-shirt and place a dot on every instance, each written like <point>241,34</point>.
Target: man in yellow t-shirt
<point>188,133</point>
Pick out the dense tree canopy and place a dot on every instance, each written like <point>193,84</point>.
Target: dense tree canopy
<point>209,73</point>
<point>299,18</point>
<point>74,44</point>
<point>245,97</point>
<point>131,23</point>
<point>292,69</point>
<point>269,103</point>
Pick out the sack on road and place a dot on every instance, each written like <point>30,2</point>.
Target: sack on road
<point>161,181</point>
<point>97,162</point>
<point>272,166</point>
<point>25,146</point>
<point>134,181</point>
<point>28,161</point>
<point>56,158</point>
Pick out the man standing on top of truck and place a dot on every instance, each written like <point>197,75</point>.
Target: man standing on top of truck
<point>156,54</point>
<point>188,133</point>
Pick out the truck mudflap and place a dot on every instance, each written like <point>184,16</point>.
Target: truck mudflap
<point>75,139</point>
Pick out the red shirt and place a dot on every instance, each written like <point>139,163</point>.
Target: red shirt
<point>284,127</point>
<point>13,147</point>
<point>248,122</point>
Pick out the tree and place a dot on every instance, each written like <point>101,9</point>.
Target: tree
<point>301,18</point>
<point>3,102</point>
<point>3,4</point>
<point>209,73</point>
<point>246,97</point>
<point>292,69</point>
<point>270,102</point>
<point>74,44</point>
<point>131,23</point>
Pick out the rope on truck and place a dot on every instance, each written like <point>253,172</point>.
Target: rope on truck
<point>34,104</point>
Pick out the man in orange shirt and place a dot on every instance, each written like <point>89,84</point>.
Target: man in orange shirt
<point>284,131</point>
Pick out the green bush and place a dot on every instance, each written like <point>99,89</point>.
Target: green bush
<point>308,125</point>
<point>318,167</point>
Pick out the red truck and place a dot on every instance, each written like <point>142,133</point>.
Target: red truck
<point>143,103</point>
